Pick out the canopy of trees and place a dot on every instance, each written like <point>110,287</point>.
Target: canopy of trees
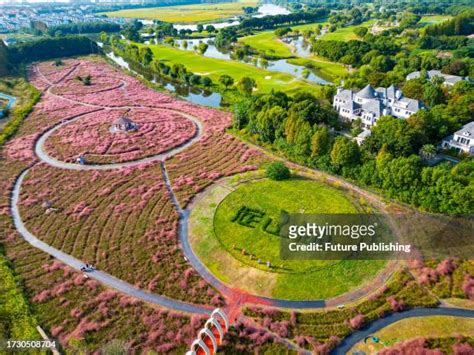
<point>3,59</point>
<point>46,48</point>
<point>83,27</point>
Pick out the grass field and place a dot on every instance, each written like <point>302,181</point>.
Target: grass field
<point>433,326</point>
<point>214,68</point>
<point>268,43</point>
<point>288,279</point>
<point>187,13</point>
<point>324,68</point>
<point>17,321</point>
<point>433,19</point>
<point>345,34</point>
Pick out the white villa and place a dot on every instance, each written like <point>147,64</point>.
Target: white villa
<point>462,140</point>
<point>370,104</point>
<point>449,80</point>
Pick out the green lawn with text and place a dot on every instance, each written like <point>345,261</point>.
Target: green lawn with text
<point>286,279</point>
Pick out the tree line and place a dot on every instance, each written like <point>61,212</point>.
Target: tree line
<point>268,22</point>
<point>83,27</point>
<point>47,48</point>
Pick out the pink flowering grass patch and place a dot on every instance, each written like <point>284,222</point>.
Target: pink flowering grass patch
<point>96,315</point>
<point>129,230</point>
<point>52,73</point>
<point>214,156</point>
<point>95,137</point>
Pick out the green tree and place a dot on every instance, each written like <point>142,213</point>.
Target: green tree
<point>202,47</point>
<point>360,31</point>
<point>269,121</point>
<point>344,153</point>
<point>206,81</point>
<point>210,28</point>
<point>413,89</point>
<point>320,142</point>
<point>433,94</point>
<point>428,151</point>
<point>246,85</point>
<point>200,28</point>
<point>146,55</point>
<point>226,80</point>
<point>242,112</point>
<point>277,171</point>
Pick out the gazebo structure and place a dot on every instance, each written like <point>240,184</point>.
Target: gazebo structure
<point>123,124</point>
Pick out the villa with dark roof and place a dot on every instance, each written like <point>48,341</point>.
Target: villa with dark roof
<point>370,104</point>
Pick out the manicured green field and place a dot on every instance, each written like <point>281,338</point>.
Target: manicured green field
<point>268,43</point>
<point>214,68</point>
<point>345,34</point>
<point>187,13</point>
<point>220,247</point>
<point>309,26</point>
<point>324,68</point>
<point>432,326</point>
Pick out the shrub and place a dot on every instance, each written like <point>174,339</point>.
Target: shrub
<point>278,171</point>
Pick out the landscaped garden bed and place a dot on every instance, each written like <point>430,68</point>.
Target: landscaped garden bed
<point>95,137</point>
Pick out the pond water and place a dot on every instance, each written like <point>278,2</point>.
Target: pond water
<point>302,47</point>
<point>194,95</point>
<point>211,52</point>
<point>283,66</point>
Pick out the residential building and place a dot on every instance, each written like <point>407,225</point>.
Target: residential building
<point>370,104</point>
<point>462,140</point>
<point>449,80</point>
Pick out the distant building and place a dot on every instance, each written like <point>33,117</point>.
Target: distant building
<point>370,104</point>
<point>462,140</point>
<point>123,124</point>
<point>449,80</point>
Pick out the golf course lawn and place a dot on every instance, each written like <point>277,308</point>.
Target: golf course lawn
<point>218,241</point>
<point>187,13</point>
<point>269,43</point>
<point>432,326</point>
<point>344,34</point>
<point>324,68</point>
<point>266,80</point>
<point>433,19</point>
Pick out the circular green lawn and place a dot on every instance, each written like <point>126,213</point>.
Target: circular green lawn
<point>221,247</point>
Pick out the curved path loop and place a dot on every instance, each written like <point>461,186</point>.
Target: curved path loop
<point>235,298</point>
<point>44,156</point>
